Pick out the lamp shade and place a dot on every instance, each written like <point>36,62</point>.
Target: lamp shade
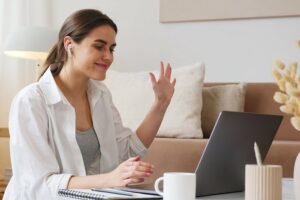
<point>30,42</point>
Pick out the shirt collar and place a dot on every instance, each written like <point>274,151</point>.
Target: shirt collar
<point>95,91</point>
<point>54,95</point>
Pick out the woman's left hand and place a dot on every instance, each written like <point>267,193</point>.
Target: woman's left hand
<point>163,87</point>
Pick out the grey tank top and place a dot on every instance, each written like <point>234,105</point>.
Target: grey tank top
<point>90,149</point>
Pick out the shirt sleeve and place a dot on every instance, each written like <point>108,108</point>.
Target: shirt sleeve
<point>129,143</point>
<point>35,168</point>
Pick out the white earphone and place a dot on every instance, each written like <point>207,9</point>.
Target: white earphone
<point>69,50</point>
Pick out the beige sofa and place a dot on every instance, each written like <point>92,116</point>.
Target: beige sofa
<point>172,154</point>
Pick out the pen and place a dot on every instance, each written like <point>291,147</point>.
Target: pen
<point>112,191</point>
<point>257,154</point>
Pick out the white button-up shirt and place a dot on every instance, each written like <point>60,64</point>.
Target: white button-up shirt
<point>43,147</point>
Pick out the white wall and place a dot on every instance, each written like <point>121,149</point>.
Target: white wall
<point>233,50</point>
<point>15,73</point>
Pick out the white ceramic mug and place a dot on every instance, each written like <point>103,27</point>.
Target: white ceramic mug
<point>263,182</point>
<point>177,186</point>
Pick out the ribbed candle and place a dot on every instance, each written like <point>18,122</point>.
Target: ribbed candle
<point>263,182</point>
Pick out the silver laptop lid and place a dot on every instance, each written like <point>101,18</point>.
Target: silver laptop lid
<point>221,168</point>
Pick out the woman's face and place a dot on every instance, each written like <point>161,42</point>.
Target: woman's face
<point>94,54</point>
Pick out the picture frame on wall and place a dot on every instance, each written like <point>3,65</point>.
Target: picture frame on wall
<point>203,10</point>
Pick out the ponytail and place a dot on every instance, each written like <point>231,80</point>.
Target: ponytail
<point>55,60</point>
<point>49,60</point>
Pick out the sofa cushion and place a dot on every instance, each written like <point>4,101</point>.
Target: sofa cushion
<point>133,96</point>
<point>229,97</point>
<point>259,99</point>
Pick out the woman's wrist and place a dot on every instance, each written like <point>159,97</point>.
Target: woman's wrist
<point>87,182</point>
<point>160,105</point>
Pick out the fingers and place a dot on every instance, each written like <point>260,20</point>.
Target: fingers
<point>163,83</point>
<point>165,72</point>
<point>140,166</point>
<point>145,164</point>
<point>152,78</point>
<point>133,180</point>
<point>168,72</point>
<point>135,158</point>
<point>137,169</point>
<point>134,162</point>
<point>130,171</point>
<point>174,82</point>
<point>137,174</point>
<point>162,70</point>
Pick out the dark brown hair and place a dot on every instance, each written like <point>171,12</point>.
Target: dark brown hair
<point>77,26</point>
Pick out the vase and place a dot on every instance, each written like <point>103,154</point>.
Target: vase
<point>297,177</point>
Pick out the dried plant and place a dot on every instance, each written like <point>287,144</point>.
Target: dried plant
<point>288,82</point>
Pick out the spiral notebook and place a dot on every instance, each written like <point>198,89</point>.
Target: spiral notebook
<point>99,194</point>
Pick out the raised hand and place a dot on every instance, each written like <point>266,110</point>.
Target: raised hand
<point>163,87</point>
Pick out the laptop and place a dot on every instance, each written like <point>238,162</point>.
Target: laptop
<point>221,168</point>
<point>230,147</point>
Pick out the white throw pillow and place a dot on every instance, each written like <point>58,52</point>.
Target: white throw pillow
<point>133,96</point>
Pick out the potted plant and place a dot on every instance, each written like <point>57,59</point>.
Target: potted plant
<point>288,95</point>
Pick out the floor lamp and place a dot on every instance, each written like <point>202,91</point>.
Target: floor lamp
<point>30,42</point>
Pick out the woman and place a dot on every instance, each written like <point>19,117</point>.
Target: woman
<point>65,130</point>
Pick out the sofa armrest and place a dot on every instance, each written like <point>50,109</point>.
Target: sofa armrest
<point>283,153</point>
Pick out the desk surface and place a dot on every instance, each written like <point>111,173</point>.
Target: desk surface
<point>287,193</point>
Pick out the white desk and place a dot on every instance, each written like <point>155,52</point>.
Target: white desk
<point>287,193</point>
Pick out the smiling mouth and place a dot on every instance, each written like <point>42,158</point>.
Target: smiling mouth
<point>101,65</point>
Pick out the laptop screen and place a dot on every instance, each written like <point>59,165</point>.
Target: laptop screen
<point>221,168</point>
